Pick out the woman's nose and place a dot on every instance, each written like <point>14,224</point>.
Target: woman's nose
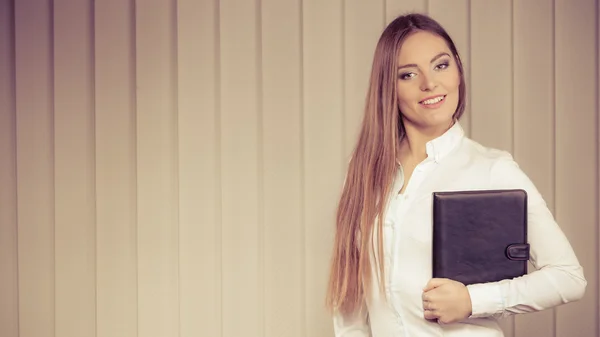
<point>427,82</point>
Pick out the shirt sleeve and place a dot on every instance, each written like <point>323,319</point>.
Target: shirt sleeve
<point>352,325</point>
<point>558,277</point>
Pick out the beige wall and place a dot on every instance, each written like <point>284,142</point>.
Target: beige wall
<point>170,168</point>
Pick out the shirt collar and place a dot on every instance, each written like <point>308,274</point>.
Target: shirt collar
<point>439,147</point>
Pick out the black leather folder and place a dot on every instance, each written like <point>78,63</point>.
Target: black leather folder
<point>480,236</point>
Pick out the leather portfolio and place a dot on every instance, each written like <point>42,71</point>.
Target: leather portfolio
<point>480,236</point>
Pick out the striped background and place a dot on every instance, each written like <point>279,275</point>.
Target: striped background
<point>171,167</point>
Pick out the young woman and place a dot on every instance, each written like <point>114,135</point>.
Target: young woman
<point>410,145</point>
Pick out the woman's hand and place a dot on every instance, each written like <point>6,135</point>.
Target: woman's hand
<point>446,301</point>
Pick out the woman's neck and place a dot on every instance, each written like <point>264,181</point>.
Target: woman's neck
<point>414,144</point>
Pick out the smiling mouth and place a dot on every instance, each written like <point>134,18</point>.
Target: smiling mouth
<point>434,100</point>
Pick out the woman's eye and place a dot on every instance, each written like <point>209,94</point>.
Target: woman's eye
<point>442,66</point>
<point>406,76</point>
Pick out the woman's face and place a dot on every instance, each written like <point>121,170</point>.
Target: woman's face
<point>428,81</point>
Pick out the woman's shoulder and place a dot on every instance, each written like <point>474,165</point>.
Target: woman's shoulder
<point>480,152</point>
<point>502,169</point>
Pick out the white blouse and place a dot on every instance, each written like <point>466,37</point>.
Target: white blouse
<point>455,162</point>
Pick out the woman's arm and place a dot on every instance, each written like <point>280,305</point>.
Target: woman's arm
<point>558,278</point>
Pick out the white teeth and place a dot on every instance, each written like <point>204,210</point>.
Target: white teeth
<point>433,100</point>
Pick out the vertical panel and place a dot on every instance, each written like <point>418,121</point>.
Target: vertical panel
<point>534,119</point>
<point>35,167</point>
<point>491,74</point>
<point>281,141</point>
<point>453,15</point>
<point>491,82</point>
<point>75,269</point>
<point>240,123</point>
<point>115,168</point>
<point>199,170</point>
<point>158,251</point>
<point>323,148</point>
<point>576,153</point>
<point>363,24</point>
<point>9,291</point>
<point>395,8</point>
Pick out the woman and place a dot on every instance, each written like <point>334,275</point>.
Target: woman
<point>410,145</point>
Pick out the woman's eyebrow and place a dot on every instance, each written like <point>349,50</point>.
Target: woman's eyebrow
<point>432,60</point>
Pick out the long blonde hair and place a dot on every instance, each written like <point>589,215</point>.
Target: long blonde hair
<point>373,166</point>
